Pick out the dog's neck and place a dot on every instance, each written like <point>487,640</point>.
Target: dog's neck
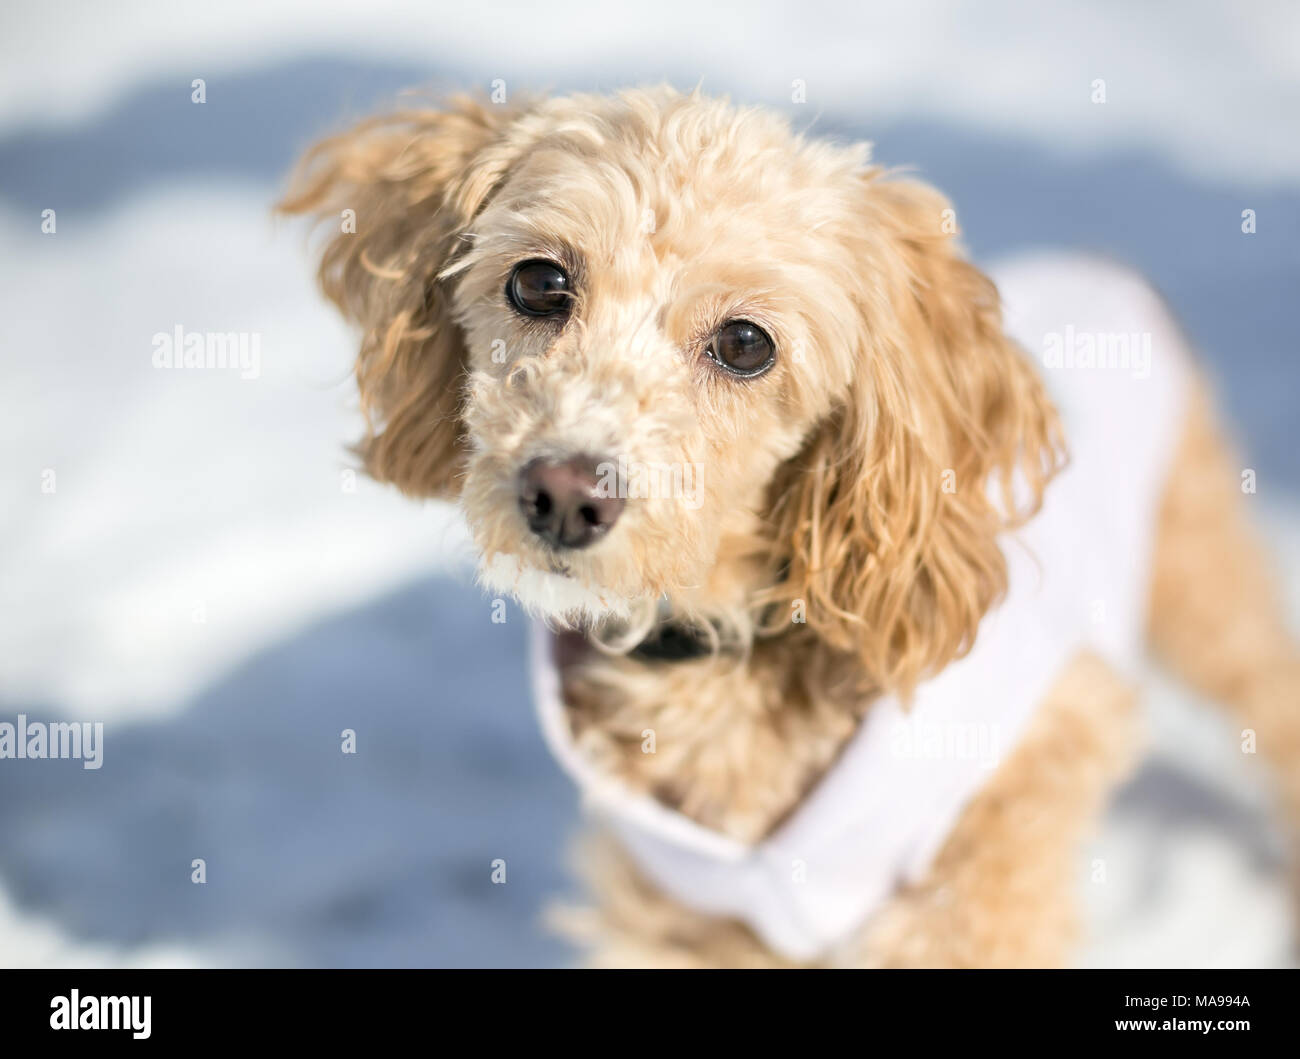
<point>668,640</point>
<point>720,616</point>
<point>673,640</point>
<point>723,707</point>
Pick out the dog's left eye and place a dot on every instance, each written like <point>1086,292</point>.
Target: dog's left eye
<point>743,348</point>
<point>538,288</point>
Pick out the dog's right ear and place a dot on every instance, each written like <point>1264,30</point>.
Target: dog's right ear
<point>401,189</point>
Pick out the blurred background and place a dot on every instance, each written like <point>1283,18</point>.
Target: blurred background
<point>185,558</point>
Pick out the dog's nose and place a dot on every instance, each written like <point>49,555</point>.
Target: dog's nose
<point>562,503</point>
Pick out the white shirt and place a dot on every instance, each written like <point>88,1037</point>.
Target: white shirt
<point>1078,578</point>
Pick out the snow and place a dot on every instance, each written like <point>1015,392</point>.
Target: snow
<point>1214,86</point>
<point>195,512</point>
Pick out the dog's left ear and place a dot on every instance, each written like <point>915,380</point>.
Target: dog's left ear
<point>886,525</point>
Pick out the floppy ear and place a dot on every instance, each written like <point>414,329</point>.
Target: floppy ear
<point>886,524</point>
<point>412,181</point>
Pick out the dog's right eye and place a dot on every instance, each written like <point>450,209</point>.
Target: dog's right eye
<point>538,288</point>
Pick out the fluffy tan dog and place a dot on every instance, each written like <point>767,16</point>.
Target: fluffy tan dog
<point>727,403</point>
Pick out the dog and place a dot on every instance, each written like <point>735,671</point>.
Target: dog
<point>840,592</point>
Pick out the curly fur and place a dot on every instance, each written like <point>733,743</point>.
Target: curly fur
<point>841,538</point>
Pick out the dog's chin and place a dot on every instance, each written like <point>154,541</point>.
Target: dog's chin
<point>556,597</point>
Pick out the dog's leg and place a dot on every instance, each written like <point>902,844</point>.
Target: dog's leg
<point>1002,891</point>
<point>1216,618</point>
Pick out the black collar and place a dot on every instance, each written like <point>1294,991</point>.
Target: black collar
<point>673,641</point>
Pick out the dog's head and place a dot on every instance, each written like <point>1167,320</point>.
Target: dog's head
<point>659,346</point>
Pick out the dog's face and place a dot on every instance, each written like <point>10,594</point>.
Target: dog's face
<point>652,326</point>
<point>662,347</point>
